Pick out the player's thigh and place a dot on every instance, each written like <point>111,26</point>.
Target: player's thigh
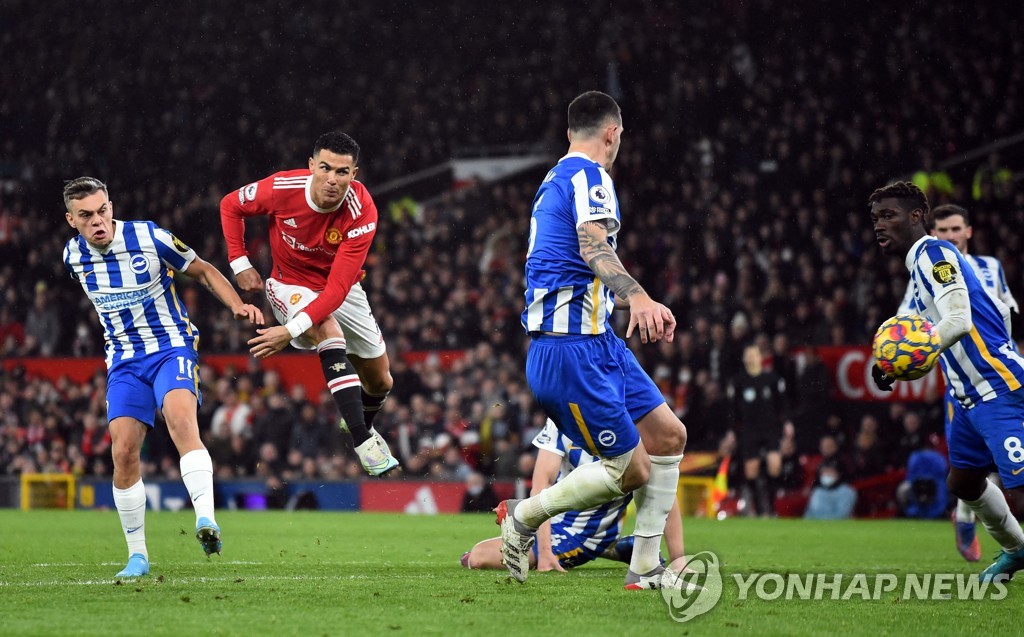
<point>662,432</point>
<point>129,395</point>
<point>968,448</point>
<point>999,422</point>
<point>581,388</point>
<point>643,398</point>
<point>363,337</point>
<point>178,369</point>
<point>285,302</point>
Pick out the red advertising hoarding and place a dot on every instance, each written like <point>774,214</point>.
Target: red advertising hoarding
<point>412,497</point>
<point>850,372</point>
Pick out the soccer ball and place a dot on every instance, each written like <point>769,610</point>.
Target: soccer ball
<point>906,347</point>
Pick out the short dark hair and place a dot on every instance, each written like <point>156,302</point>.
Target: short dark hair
<point>82,187</point>
<point>337,142</point>
<point>950,209</point>
<point>590,110</point>
<point>910,197</point>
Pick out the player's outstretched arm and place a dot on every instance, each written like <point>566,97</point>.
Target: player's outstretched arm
<point>221,288</point>
<point>954,308</point>
<point>545,472</point>
<point>654,320</point>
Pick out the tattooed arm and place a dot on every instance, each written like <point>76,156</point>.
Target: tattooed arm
<point>654,320</point>
<point>220,287</point>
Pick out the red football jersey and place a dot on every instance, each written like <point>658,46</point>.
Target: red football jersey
<point>323,250</point>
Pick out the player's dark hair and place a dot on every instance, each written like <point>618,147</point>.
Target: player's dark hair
<point>950,209</point>
<point>80,188</point>
<point>338,143</point>
<point>910,197</point>
<point>589,111</point>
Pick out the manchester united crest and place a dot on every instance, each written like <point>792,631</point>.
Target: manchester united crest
<point>295,298</point>
<point>333,236</point>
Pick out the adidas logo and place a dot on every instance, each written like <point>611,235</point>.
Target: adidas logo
<point>291,222</point>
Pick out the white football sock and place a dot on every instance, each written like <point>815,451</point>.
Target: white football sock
<point>964,512</point>
<point>652,512</point>
<point>131,507</point>
<point>993,511</point>
<point>197,474</point>
<point>585,487</point>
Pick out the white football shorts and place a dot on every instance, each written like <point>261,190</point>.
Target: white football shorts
<point>362,334</point>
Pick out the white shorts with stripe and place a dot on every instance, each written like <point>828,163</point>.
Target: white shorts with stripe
<point>362,334</point>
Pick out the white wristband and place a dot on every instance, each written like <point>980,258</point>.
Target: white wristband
<point>239,265</point>
<point>298,325</point>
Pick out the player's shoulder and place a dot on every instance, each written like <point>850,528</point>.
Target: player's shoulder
<point>359,190</point>
<point>289,178</point>
<point>576,163</point>
<point>933,249</point>
<point>986,261</point>
<point>139,224</point>
<point>358,199</point>
<point>141,227</point>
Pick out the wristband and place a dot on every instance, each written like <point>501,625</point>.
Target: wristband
<point>298,325</point>
<point>239,265</point>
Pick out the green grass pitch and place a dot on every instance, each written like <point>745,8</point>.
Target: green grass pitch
<point>375,574</point>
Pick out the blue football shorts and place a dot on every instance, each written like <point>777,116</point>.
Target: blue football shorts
<point>989,435</point>
<point>571,550</point>
<point>593,388</point>
<point>136,386</point>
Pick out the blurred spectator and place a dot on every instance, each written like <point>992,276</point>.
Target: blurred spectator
<point>479,497</point>
<point>923,493</point>
<point>831,498</point>
<point>309,433</point>
<point>43,324</point>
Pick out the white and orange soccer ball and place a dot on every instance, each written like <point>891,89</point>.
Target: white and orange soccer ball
<point>906,347</point>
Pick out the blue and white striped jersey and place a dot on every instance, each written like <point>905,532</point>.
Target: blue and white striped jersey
<point>132,288</point>
<point>983,364</point>
<point>990,272</point>
<point>562,294</point>
<point>596,528</point>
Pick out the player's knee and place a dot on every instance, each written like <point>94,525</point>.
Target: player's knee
<point>124,453</point>
<point>680,437</point>
<point>378,385</point>
<point>181,424</point>
<point>671,440</point>
<point>963,487</point>
<point>636,475</point>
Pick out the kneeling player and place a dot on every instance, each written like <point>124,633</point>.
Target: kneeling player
<point>576,537</point>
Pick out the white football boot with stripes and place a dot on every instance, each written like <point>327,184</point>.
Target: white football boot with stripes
<point>516,541</point>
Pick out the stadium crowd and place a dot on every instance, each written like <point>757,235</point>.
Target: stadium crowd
<point>754,133</point>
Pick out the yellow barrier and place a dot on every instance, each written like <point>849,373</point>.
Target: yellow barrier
<point>694,495</point>
<point>47,490</point>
